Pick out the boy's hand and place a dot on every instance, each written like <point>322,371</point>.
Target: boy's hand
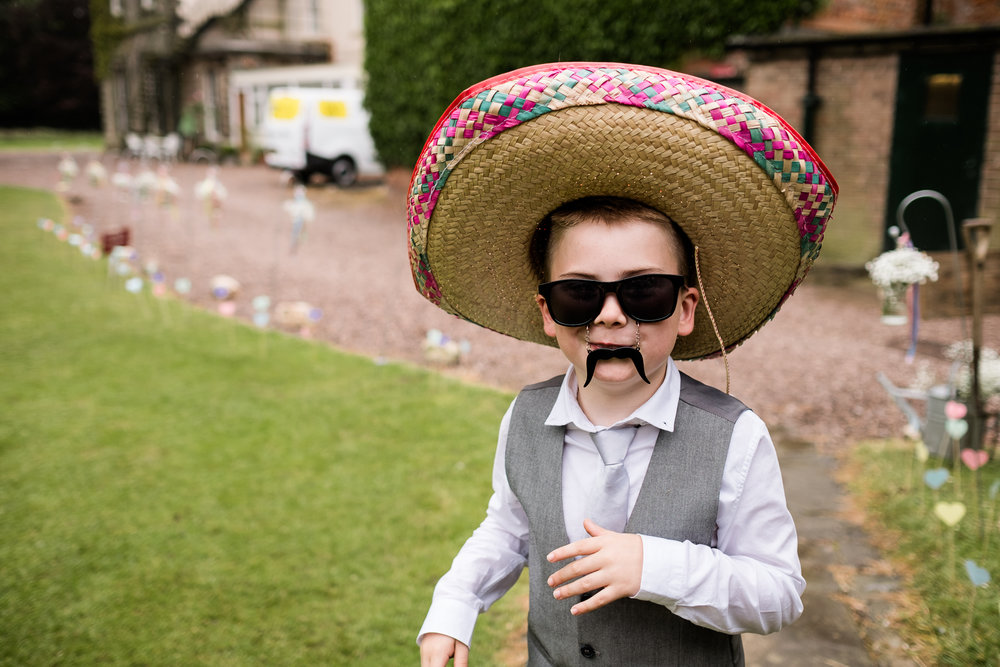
<point>436,650</point>
<point>612,561</point>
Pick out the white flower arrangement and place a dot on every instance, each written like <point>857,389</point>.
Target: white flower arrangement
<point>902,266</point>
<point>989,369</point>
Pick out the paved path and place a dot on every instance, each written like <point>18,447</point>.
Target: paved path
<point>829,633</point>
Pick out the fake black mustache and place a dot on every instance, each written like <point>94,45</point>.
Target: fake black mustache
<point>602,353</point>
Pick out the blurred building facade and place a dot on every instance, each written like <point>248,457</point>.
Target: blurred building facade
<point>172,70</point>
<point>897,96</point>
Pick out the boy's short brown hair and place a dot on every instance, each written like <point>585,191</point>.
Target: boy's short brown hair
<point>610,211</point>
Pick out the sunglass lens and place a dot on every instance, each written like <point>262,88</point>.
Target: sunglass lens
<point>575,302</point>
<point>648,298</point>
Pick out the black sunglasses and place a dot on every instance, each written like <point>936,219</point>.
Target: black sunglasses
<point>646,298</point>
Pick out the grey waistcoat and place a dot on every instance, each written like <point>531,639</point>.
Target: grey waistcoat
<point>678,500</point>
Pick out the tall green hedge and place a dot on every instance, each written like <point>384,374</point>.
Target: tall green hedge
<point>420,55</point>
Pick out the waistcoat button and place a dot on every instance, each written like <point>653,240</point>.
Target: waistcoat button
<point>588,651</point>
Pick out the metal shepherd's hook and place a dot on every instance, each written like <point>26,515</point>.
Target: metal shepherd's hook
<point>952,238</point>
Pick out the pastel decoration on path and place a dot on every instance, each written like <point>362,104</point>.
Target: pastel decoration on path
<point>224,287</point>
<point>956,428</point>
<point>979,576</point>
<point>227,308</point>
<point>68,169</point>
<point>134,284</point>
<point>955,410</point>
<point>122,182</point>
<point>97,175</point>
<point>974,459</point>
<point>182,286</point>
<point>211,193</point>
<point>302,212</point>
<point>167,190</point>
<point>950,513</point>
<point>936,478</point>
<point>261,304</point>
<point>145,183</point>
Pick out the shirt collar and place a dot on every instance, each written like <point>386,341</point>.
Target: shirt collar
<point>659,411</point>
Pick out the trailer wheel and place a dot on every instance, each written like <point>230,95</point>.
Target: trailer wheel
<point>343,172</point>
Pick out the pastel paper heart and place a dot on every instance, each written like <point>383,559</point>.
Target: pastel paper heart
<point>974,459</point>
<point>936,478</point>
<point>950,513</point>
<point>227,308</point>
<point>979,576</point>
<point>956,428</point>
<point>955,410</point>
<point>134,285</point>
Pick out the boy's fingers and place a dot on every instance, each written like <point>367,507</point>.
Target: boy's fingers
<point>593,529</point>
<point>583,547</point>
<point>574,569</point>
<point>585,584</point>
<point>596,602</point>
<point>461,655</point>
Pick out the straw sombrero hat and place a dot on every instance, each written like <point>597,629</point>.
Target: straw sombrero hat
<point>749,192</point>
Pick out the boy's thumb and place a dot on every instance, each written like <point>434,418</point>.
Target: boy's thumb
<point>593,529</point>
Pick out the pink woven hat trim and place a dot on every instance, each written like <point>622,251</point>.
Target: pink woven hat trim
<point>486,110</point>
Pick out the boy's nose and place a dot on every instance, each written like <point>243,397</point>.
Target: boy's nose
<point>611,312</point>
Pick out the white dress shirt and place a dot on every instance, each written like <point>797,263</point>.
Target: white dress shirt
<point>748,580</point>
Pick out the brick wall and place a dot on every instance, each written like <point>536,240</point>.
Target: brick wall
<point>866,15</point>
<point>854,137</point>
<point>861,15</point>
<point>852,134</point>
<point>780,84</point>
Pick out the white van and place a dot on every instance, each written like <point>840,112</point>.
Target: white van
<point>319,131</point>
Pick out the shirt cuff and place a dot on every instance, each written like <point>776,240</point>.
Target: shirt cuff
<point>450,617</point>
<point>663,567</point>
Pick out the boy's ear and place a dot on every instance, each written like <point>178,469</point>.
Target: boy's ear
<point>547,322</point>
<point>686,308</point>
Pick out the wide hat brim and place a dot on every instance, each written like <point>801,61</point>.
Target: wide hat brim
<point>752,195</point>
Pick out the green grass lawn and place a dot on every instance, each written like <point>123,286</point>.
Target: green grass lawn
<point>954,622</point>
<point>177,488</point>
<point>44,139</point>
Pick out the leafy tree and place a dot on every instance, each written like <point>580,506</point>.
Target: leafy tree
<point>420,56</point>
<point>46,66</point>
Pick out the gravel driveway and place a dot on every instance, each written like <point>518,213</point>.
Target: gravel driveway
<point>810,372</point>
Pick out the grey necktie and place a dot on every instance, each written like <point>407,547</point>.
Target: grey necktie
<point>608,504</point>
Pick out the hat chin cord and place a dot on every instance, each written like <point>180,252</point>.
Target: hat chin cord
<point>715,327</point>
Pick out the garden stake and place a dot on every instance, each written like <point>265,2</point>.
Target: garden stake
<point>972,611</point>
<point>950,514</point>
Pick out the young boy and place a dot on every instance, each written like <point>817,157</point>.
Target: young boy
<point>647,506</point>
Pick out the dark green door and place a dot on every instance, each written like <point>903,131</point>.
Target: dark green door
<point>938,138</point>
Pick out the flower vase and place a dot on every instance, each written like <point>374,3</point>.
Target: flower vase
<point>894,307</point>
